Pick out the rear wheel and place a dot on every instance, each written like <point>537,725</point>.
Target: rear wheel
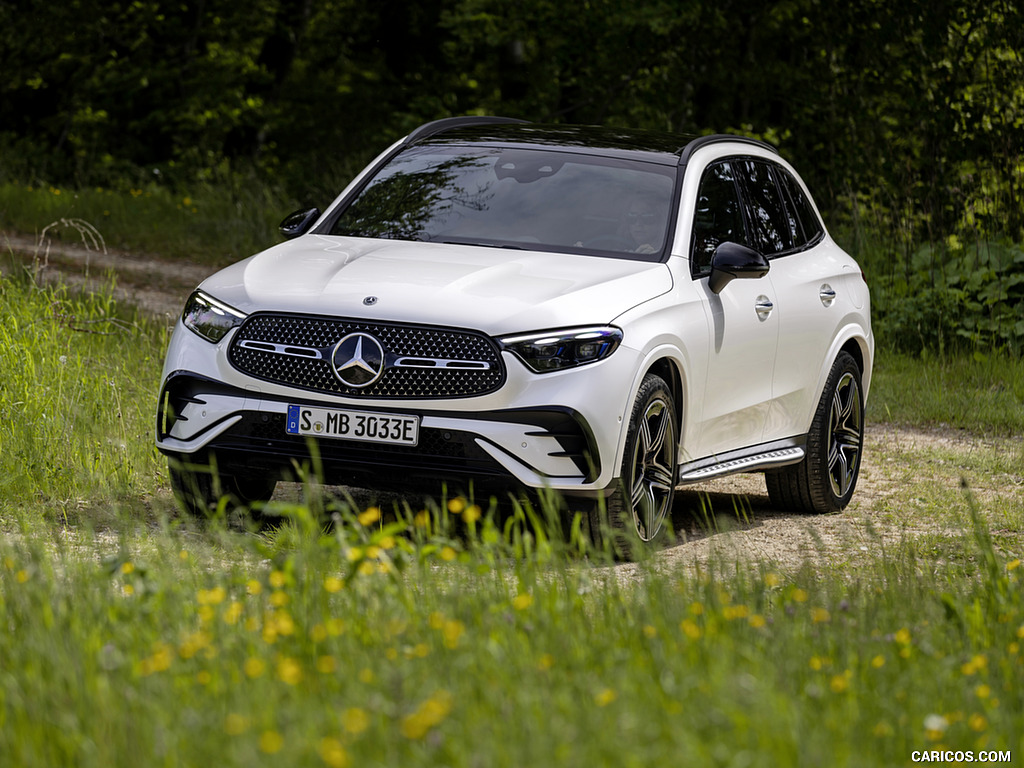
<point>827,477</point>
<point>638,512</point>
<point>199,488</point>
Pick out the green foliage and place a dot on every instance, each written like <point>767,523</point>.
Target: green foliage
<point>949,298</point>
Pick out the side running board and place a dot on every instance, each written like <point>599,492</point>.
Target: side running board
<point>755,462</point>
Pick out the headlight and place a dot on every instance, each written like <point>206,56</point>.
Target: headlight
<point>558,350</point>
<point>208,317</point>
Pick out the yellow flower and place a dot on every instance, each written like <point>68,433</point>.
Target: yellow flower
<point>983,691</point>
<point>690,629</point>
<point>333,584</point>
<point>366,676</point>
<point>472,514</point>
<point>233,612</point>
<point>757,621</point>
<point>650,632</point>
<point>253,587</point>
<point>522,601</point>
<point>448,554</point>
<point>326,665</point>
<point>878,662</point>
<point>977,722</point>
<point>203,677</point>
<point>279,599</point>
<point>333,753</point>
<point>455,506</point>
<point>127,568</point>
<point>820,616</point>
<point>366,568</point>
<point>1013,564</point>
<point>335,627</point>
<point>605,697</point>
<point>271,742</point>
<point>235,724</point>
<point>254,667</point>
<point>422,519</point>
<point>839,683</point>
<point>277,579</point>
<point>800,595</point>
<point>370,516</point>
<point>452,633</point>
<point>355,720</point>
<point>21,576</point>
<point>429,714</point>
<point>160,661</point>
<point>731,612</point>
<point>903,636</point>
<point>696,609</point>
<point>772,580</point>
<point>547,661</point>
<point>289,671</point>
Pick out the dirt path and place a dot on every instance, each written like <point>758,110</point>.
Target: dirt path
<point>729,519</point>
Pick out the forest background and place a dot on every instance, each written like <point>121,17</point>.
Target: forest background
<point>906,118</point>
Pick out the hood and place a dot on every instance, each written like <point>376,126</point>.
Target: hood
<point>493,290</point>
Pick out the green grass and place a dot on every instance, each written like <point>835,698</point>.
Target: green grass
<point>77,386</point>
<point>984,395</point>
<point>211,225</point>
<point>365,645</point>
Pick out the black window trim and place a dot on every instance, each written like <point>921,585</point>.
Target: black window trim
<point>696,273</point>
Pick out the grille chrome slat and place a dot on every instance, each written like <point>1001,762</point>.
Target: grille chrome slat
<point>294,350</point>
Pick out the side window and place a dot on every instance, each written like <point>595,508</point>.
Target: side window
<point>718,217</point>
<point>772,229</point>
<point>808,222</point>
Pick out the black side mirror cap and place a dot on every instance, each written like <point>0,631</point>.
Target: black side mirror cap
<point>299,223</point>
<point>733,261</point>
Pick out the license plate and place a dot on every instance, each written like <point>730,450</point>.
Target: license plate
<point>394,428</point>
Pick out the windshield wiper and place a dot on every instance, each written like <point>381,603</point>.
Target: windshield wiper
<point>508,246</point>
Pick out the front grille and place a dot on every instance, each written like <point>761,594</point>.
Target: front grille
<point>290,344</point>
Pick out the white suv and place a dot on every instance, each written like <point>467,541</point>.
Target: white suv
<point>494,303</point>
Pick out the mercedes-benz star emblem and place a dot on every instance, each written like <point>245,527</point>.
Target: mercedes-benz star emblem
<point>358,360</point>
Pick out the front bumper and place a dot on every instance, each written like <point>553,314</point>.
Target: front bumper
<point>535,447</point>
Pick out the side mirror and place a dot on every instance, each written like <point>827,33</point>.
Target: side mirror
<point>298,223</point>
<point>733,261</point>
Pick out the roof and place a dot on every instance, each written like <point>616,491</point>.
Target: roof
<point>650,146</point>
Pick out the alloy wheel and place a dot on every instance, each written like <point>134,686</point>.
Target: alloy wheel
<point>846,430</point>
<point>652,475</point>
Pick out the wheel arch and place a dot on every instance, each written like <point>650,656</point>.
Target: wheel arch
<point>668,363</point>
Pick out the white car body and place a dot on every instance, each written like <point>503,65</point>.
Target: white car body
<point>750,363</point>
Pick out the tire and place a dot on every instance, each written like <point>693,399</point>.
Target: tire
<point>200,488</point>
<point>637,515</point>
<point>825,480</point>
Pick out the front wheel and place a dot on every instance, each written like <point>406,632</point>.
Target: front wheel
<point>825,480</point>
<point>638,512</point>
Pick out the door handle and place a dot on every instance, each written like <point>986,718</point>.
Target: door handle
<point>827,295</point>
<point>763,306</point>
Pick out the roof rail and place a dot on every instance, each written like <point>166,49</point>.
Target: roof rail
<point>447,123</point>
<point>717,138</point>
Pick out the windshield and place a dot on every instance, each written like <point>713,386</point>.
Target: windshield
<point>517,198</point>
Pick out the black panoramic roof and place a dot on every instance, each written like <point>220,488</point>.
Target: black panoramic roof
<point>651,146</point>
